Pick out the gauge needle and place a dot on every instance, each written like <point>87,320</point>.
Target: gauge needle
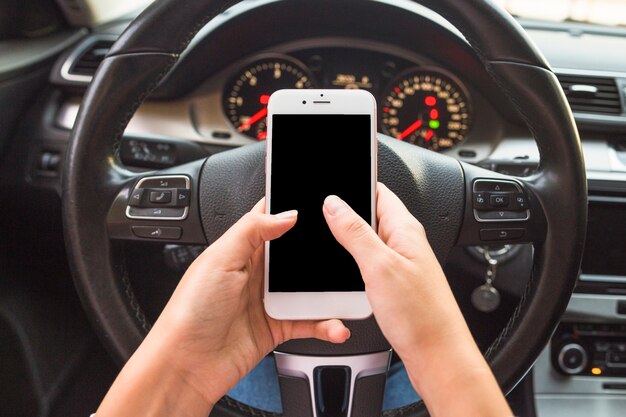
<point>409,129</point>
<point>252,120</point>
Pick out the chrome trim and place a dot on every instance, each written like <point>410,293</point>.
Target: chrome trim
<point>603,278</point>
<point>561,358</point>
<point>594,308</point>
<point>589,73</point>
<point>76,53</point>
<point>301,366</point>
<point>156,177</point>
<point>606,176</point>
<point>583,88</point>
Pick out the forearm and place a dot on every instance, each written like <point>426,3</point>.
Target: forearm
<point>150,386</point>
<point>455,380</point>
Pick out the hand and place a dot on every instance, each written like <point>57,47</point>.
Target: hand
<point>217,311</point>
<point>214,329</point>
<point>415,308</point>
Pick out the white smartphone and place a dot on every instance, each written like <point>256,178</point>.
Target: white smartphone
<point>319,142</point>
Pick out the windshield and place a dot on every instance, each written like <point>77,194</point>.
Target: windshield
<point>603,12</point>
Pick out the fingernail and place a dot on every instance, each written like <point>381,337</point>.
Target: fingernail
<point>287,214</point>
<point>335,205</point>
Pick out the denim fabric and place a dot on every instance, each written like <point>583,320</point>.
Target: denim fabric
<point>259,388</point>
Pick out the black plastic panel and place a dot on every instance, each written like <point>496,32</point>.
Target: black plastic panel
<point>296,396</point>
<point>605,247</point>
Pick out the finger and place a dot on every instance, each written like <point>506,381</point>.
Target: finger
<point>351,231</point>
<point>397,227</point>
<point>333,331</point>
<point>240,242</point>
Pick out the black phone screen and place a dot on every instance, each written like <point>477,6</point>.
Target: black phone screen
<point>313,156</point>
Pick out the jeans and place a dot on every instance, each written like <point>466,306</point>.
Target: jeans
<point>259,388</point>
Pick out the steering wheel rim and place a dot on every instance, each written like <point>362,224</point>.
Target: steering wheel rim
<point>143,55</point>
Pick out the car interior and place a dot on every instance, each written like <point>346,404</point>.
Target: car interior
<point>501,126</point>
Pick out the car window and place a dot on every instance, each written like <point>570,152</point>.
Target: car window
<point>603,12</point>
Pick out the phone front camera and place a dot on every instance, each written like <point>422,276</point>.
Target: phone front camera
<point>303,101</point>
<point>321,95</point>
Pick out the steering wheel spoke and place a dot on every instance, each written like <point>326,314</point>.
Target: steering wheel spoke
<point>335,385</point>
<point>161,207</point>
<point>499,209</point>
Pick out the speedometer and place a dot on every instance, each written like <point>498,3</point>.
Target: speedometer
<point>427,108</point>
<point>247,94</point>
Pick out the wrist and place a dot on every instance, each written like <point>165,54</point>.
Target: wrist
<point>149,384</point>
<point>459,368</point>
<point>209,370</point>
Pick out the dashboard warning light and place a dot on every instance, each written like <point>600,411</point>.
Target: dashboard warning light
<point>596,371</point>
<point>430,100</point>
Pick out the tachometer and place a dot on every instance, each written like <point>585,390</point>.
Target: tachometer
<point>427,108</point>
<point>247,94</point>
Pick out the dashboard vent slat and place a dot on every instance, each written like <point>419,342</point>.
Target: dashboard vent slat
<point>589,94</point>
<point>88,62</point>
<point>81,63</point>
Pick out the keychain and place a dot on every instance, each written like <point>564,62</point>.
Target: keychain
<point>486,298</point>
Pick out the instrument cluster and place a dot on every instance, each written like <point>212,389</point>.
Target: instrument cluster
<point>422,105</point>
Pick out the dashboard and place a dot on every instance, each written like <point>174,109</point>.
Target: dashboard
<point>419,101</point>
<point>422,105</point>
<point>432,92</point>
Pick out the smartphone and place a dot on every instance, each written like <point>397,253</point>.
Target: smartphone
<point>319,142</point>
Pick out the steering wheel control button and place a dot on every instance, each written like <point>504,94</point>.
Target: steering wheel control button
<point>496,186</point>
<point>520,202</point>
<point>572,358</point>
<point>501,215</point>
<point>136,198</point>
<point>182,198</point>
<point>160,197</point>
<point>501,234</point>
<point>174,181</point>
<point>498,200</point>
<point>158,232</point>
<point>480,201</point>
<point>157,213</point>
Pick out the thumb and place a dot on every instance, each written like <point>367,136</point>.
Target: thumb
<point>237,245</point>
<point>351,231</point>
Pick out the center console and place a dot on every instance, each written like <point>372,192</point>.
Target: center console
<point>582,372</point>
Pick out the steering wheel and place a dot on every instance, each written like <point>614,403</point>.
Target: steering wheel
<point>104,204</point>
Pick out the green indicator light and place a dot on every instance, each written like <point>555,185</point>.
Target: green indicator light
<point>434,124</point>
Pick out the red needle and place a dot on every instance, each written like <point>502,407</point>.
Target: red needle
<point>410,129</point>
<point>257,116</point>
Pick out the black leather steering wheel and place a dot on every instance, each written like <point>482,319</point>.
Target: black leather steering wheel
<point>105,204</point>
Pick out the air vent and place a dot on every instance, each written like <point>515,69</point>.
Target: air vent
<point>88,62</point>
<point>82,63</point>
<point>591,94</point>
